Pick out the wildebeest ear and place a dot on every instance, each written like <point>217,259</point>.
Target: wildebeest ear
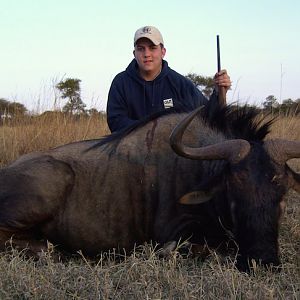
<point>293,178</point>
<point>196,197</point>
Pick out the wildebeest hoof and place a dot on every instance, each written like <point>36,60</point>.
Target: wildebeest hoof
<point>171,247</point>
<point>167,249</point>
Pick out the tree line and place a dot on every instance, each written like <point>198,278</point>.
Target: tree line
<point>69,90</point>
<point>270,105</point>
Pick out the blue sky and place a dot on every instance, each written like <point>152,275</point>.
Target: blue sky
<point>44,41</point>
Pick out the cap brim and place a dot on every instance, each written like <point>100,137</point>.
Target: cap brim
<point>154,41</point>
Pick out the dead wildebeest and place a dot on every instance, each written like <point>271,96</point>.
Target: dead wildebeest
<point>215,174</point>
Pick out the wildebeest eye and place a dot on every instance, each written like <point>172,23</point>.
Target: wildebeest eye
<point>277,178</point>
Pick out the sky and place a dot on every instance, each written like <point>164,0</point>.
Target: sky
<point>46,41</point>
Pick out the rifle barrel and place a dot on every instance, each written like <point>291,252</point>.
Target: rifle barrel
<point>218,54</point>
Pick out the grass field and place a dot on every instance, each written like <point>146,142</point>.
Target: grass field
<point>141,274</point>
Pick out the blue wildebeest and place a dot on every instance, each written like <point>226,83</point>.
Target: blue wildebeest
<point>215,174</point>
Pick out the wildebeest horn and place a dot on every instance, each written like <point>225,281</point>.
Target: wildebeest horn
<point>294,179</point>
<point>231,150</point>
<point>281,151</point>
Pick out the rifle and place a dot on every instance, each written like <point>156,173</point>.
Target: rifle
<point>222,92</point>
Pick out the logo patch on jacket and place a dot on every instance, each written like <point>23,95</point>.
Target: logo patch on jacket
<point>168,103</point>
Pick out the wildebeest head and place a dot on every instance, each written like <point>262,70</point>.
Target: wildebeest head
<point>255,183</point>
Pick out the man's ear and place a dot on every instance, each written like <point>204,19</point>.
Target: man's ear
<point>163,50</point>
<point>133,52</point>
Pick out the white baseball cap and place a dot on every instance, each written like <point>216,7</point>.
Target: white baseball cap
<point>149,32</point>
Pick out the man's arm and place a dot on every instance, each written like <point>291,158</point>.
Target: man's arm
<point>117,110</point>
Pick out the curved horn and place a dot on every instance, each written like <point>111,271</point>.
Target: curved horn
<point>293,179</point>
<point>282,150</point>
<point>231,150</point>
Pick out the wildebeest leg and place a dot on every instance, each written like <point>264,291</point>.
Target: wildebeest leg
<point>167,249</point>
<point>31,193</point>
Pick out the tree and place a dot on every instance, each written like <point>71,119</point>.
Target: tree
<point>271,103</point>
<point>205,84</point>
<point>289,106</point>
<point>93,112</point>
<point>70,89</point>
<point>3,106</point>
<point>16,109</point>
<point>11,109</point>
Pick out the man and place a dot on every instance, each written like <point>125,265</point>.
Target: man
<point>149,85</point>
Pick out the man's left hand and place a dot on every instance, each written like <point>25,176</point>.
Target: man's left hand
<point>222,79</point>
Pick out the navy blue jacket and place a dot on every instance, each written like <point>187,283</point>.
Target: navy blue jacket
<point>131,98</point>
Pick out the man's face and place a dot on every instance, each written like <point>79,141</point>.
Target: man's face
<point>148,56</point>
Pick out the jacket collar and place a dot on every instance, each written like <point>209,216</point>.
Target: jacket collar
<point>133,71</point>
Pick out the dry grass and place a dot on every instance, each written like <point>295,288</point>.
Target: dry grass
<point>140,275</point>
<point>286,128</point>
<point>47,131</point>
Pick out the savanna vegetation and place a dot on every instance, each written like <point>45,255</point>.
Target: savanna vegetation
<point>140,274</point>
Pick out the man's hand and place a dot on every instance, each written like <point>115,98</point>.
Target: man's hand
<point>222,79</point>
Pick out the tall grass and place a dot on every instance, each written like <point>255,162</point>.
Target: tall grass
<point>47,131</point>
<point>140,274</point>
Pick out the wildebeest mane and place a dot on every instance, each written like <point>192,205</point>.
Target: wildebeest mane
<point>240,122</point>
<point>234,121</point>
<point>118,135</point>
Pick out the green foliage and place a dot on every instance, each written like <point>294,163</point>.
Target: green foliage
<point>70,89</point>
<point>204,83</point>
<point>287,107</point>
<point>11,109</point>
<point>270,105</point>
<point>270,102</point>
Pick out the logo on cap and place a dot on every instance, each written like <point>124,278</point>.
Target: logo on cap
<point>147,29</point>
